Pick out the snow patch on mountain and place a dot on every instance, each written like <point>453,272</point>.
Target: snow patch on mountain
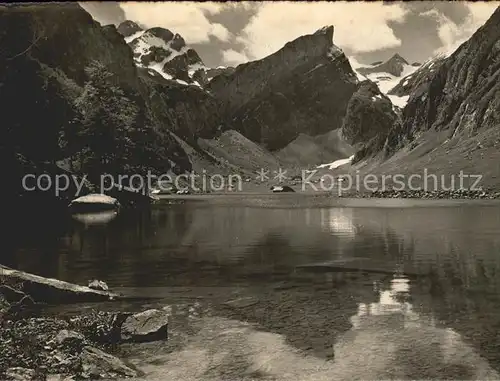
<point>385,81</point>
<point>422,75</point>
<point>166,53</point>
<point>134,36</point>
<point>336,163</point>
<point>144,44</point>
<point>399,101</point>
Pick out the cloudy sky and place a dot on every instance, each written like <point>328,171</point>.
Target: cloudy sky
<point>234,32</point>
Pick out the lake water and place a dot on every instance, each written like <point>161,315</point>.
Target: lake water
<point>293,287</point>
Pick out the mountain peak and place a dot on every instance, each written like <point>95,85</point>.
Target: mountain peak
<point>327,30</point>
<point>396,57</point>
<point>165,34</point>
<point>394,66</point>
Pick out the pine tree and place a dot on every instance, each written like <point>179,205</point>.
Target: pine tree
<point>107,118</point>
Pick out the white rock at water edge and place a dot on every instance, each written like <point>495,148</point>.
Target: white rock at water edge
<point>95,198</point>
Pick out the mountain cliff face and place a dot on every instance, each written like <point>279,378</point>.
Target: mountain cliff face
<point>410,83</point>
<point>302,88</point>
<point>463,93</point>
<point>388,75</point>
<point>451,123</point>
<point>187,111</point>
<point>70,89</point>
<point>369,119</point>
<point>114,101</point>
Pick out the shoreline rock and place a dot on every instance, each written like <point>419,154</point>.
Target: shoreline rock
<point>33,347</point>
<point>150,325</point>
<point>459,194</point>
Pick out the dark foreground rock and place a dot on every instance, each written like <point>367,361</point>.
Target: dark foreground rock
<point>150,325</point>
<point>43,348</point>
<point>21,374</point>
<point>97,364</point>
<point>36,347</point>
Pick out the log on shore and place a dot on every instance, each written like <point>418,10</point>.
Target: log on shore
<point>52,291</point>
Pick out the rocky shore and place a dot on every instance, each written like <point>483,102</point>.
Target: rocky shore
<point>80,347</point>
<point>464,194</point>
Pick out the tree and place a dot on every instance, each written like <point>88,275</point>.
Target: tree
<point>107,119</point>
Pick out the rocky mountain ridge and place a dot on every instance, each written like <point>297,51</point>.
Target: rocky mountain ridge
<point>266,102</point>
<point>304,100</point>
<point>158,123</point>
<point>451,122</point>
<point>422,75</point>
<point>167,54</point>
<point>394,66</point>
<point>164,52</point>
<point>463,94</point>
<point>303,87</point>
<point>81,77</point>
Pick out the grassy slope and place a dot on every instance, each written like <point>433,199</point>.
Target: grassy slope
<point>237,150</point>
<point>309,151</point>
<point>446,158</point>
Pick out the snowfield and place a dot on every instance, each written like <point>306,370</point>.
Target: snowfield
<point>336,163</point>
<point>385,81</point>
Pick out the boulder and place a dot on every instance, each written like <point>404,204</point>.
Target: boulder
<point>150,325</point>
<point>97,364</point>
<point>20,374</point>
<point>47,290</point>
<point>98,285</point>
<point>282,189</point>
<point>70,339</point>
<point>94,202</point>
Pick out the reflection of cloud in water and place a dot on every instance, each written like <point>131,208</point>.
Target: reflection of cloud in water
<point>388,304</point>
<point>388,336</point>
<point>98,218</point>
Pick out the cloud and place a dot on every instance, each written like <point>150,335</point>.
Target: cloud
<point>219,31</point>
<point>241,5</point>
<point>355,64</point>
<point>104,12</point>
<point>232,57</point>
<point>189,19</point>
<point>451,34</point>
<point>359,26</point>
